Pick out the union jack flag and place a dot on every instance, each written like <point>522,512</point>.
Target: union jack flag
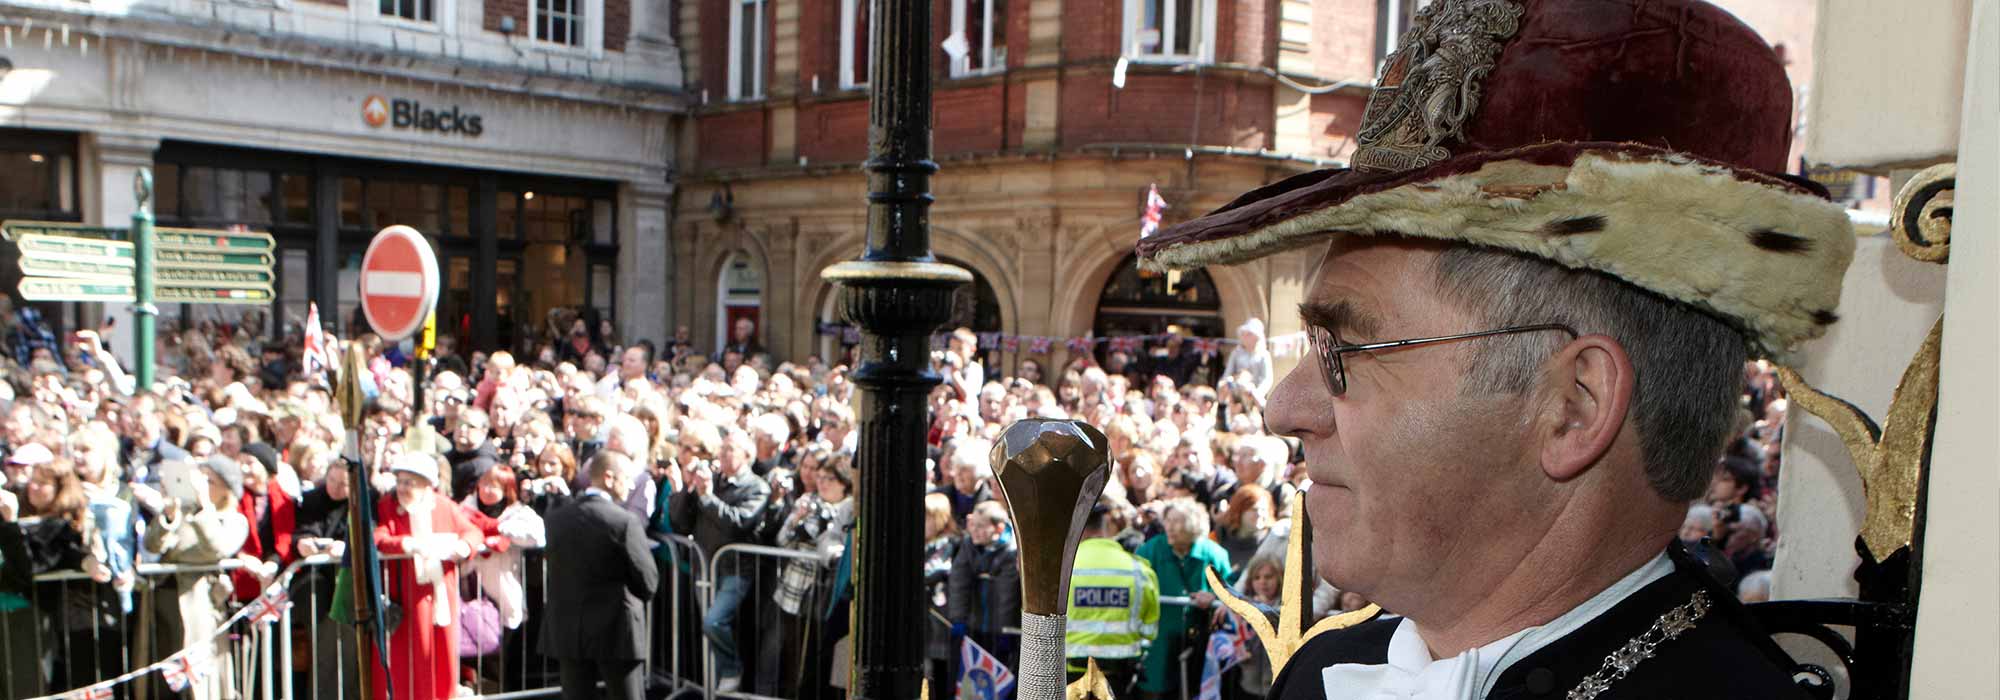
<point>1207,346</point>
<point>318,357</point>
<point>1150,221</point>
<point>185,667</point>
<point>268,607</point>
<point>1040,344</point>
<point>95,692</point>
<point>988,340</point>
<point>1081,345</point>
<point>1010,343</point>
<point>1228,646</point>
<point>983,677</point>
<point>1125,344</point>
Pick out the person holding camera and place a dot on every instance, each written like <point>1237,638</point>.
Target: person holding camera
<point>720,508</point>
<point>202,529</point>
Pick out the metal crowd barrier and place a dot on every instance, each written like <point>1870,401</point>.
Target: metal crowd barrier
<point>76,632</point>
<point>786,663</point>
<point>306,655</point>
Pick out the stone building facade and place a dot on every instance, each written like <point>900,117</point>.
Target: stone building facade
<point>531,140</point>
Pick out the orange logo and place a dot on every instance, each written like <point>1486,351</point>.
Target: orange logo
<point>375,110</point>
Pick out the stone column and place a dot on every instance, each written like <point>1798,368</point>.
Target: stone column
<point>645,266</point>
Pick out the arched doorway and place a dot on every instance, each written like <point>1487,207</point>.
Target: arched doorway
<point>975,306</point>
<point>739,294</point>
<point>1137,302</point>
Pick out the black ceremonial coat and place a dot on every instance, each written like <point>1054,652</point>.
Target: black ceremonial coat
<point>1723,657</point>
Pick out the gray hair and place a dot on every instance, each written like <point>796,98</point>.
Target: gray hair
<point>1194,517</point>
<point>1700,513</point>
<point>1755,586</point>
<point>1689,365</point>
<point>771,426</point>
<point>973,453</point>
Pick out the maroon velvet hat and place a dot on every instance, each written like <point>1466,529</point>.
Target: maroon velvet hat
<point>1642,138</point>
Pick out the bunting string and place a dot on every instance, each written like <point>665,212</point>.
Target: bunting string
<point>1287,345</point>
<point>185,666</point>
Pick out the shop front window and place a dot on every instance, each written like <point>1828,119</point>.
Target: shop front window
<point>410,204</point>
<point>458,212</point>
<point>507,221</point>
<point>34,179</point>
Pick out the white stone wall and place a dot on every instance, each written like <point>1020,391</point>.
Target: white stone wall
<point>458,34</point>
<point>126,83</point>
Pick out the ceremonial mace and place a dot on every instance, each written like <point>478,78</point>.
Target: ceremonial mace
<point>1051,472</point>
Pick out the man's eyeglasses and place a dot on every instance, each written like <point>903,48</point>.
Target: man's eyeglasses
<point>1329,348</point>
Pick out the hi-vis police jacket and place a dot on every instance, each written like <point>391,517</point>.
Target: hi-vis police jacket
<point>1114,606</point>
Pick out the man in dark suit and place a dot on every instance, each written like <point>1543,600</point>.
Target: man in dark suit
<point>601,571</point>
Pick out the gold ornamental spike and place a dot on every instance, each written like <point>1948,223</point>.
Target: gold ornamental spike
<point>1281,641</point>
<point>1892,457</point>
<point>1092,686</point>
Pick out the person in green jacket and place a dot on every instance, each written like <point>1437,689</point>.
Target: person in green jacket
<point>1179,558</point>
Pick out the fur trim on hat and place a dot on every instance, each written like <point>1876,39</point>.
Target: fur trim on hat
<point>1767,258</point>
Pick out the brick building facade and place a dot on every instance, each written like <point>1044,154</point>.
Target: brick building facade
<point>1046,158</point>
<point>1046,161</point>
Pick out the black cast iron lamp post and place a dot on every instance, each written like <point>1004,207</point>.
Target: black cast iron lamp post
<point>899,294</point>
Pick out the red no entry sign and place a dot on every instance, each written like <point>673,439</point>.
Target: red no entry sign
<point>399,282</point>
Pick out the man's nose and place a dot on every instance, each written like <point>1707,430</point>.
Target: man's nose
<point>1300,405</point>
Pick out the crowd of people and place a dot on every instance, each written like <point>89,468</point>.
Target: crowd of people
<point>237,464</point>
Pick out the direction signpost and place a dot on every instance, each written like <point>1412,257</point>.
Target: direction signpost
<point>64,261</point>
<point>192,266</point>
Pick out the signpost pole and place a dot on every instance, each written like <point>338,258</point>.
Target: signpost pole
<point>143,311</point>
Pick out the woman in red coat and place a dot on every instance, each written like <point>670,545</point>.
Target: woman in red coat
<point>423,649</point>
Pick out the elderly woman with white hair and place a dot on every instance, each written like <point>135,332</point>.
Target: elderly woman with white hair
<point>1180,556</point>
<point>425,536</point>
<point>1251,355</point>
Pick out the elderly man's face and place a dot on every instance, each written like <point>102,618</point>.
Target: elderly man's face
<point>1406,469</point>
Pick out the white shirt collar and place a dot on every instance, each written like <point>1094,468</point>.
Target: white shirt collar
<point>1411,673</point>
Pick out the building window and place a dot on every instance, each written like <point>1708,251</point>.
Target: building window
<point>746,50</point>
<point>1170,30</point>
<point>38,176</point>
<point>982,26</point>
<point>854,43</point>
<point>559,21</point>
<point>413,10</point>
<point>1392,20</point>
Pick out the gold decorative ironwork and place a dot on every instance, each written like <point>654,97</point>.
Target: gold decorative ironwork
<point>1429,87</point>
<point>1891,456</point>
<point>1092,685</point>
<point>1285,638</point>
<point>1922,221</point>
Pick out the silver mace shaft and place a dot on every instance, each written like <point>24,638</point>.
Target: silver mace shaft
<point>1051,473</point>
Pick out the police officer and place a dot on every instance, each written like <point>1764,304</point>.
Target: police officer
<point>1114,609</point>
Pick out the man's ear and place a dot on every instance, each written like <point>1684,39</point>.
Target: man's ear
<point>1586,394</point>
